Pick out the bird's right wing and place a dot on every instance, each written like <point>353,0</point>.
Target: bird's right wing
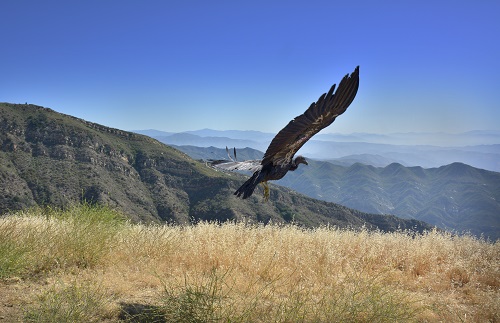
<point>318,116</point>
<point>231,165</point>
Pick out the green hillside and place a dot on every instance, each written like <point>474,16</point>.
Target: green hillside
<point>455,197</point>
<point>51,159</point>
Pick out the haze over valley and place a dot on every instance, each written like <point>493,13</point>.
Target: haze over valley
<point>479,148</point>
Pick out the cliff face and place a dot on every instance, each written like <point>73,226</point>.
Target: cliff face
<point>47,158</point>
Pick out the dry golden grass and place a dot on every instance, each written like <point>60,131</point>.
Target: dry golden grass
<point>240,273</point>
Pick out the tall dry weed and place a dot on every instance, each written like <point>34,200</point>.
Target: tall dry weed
<point>245,272</point>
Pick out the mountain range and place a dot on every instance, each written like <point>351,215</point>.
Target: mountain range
<point>51,159</point>
<point>427,181</point>
<point>455,197</point>
<point>480,149</point>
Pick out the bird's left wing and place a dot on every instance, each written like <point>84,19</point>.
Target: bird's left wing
<point>231,165</point>
<point>318,116</point>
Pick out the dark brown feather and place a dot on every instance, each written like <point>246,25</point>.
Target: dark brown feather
<point>318,116</point>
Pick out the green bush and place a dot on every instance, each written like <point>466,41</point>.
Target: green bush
<point>43,239</point>
<point>198,302</point>
<point>16,247</point>
<point>72,303</point>
<point>88,236</point>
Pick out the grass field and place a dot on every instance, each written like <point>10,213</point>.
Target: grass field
<point>87,264</point>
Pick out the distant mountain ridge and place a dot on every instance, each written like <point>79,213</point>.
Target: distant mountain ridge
<point>440,139</point>
<point>51,159</point>
<point>455,196</point>
<point>480,149</point>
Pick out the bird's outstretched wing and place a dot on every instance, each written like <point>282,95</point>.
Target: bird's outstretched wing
<point>234,165</point>
<point>231,165</point>
<point>318,116</point>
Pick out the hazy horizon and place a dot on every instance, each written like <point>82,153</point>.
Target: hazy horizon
<point>326,133</point>
<point>441,139</point>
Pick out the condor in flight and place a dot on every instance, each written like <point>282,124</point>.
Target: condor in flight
<point>279,156</point>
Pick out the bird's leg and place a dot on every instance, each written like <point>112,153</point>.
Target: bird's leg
<point>266,190</point>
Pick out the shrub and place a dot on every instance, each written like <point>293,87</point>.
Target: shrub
<point>68,303</point>
<point>43,239</point>
<point>202,302</point>
<point>15,248</point>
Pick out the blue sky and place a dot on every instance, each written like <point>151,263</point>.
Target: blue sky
<point>425,66</point>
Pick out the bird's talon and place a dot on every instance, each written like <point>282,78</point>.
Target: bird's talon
<point>266,191</point>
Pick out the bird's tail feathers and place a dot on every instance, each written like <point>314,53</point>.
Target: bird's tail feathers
<point>246,190</point>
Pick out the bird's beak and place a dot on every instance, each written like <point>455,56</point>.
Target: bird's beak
<point>305,162</point>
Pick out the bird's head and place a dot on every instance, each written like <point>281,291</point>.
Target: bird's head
<point>300,160</point>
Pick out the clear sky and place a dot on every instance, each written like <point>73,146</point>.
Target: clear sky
<point>254,65</point>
